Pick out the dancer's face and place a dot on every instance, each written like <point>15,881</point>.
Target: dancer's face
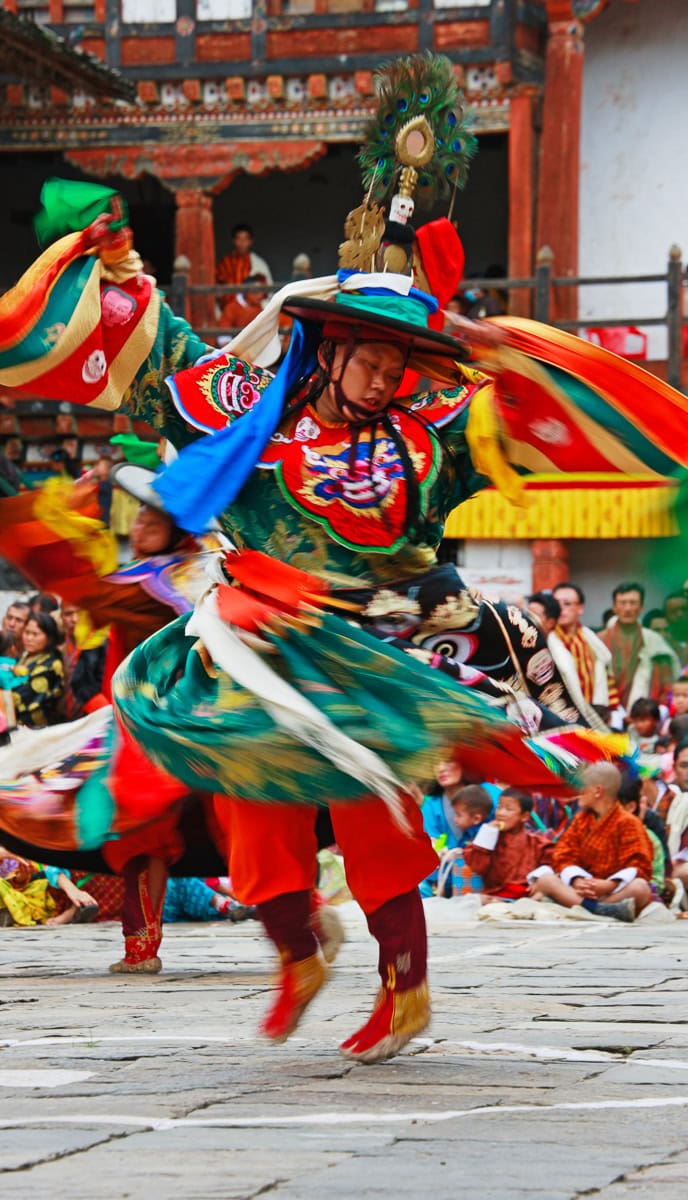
<point>368,380</point>
<point>150,532</point>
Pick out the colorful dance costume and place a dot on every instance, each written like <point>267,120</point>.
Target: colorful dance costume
<point>293,685</point>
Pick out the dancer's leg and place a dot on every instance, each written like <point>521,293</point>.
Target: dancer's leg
<point>142,859</point>
<point>384,865</point>
<point>145,878</point>
<point>272,864</point>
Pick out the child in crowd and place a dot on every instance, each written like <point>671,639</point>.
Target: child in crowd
<point>679,705</point>
<point>679,698</point>
<point>643,729</point>
<point>452,817</point>
<point>504,852</point>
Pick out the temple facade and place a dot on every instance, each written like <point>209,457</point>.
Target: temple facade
<point>234,95</point>
<point>234,89</point>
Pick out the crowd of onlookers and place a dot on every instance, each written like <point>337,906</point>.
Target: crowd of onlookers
<point>623,841</point>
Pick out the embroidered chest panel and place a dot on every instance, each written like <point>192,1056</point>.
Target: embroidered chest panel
<point>359,497</point>
<point>355,488</point>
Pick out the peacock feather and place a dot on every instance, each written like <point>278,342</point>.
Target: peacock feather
<point>420,86</point>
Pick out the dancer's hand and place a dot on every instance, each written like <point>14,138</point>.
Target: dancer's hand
<point>475,333</point>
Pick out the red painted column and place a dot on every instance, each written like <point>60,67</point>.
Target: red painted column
<point>559,167</point>
<point>521,196</point>
<point>195,239</point>
<point>550,563</point>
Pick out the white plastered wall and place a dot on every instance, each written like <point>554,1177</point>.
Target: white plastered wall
<point>634,155</point>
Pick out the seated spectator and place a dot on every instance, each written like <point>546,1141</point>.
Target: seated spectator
<point>603,861</point>
<point>191,899</point>
<point>13,622</point>
<point>29,897</point>
<point>677,814</point>
<point>102,896</point>
<point>455,876</point>
<point>550,815</point>
<point>679,701</point>
<point>504,852</point>
<point>632,799</point>
<point>643,728</point>
<point>452,817</point>
<point>438,805</point>
<point>657,793</point>
<point>677,732</point>
<point>38,697</point>
<point>9,681</point>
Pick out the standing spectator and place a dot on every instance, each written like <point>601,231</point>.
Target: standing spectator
<point>10,479</point>
<point>69,614</point>
<point>591,658</point>
<point>43,602</point>
<point>37,699</point>
<point>13,622</point>
<point>242,260</point>
<point>546,609</point>
<point>642,662</point>
<point>69,456</point>
<point>100,472</point>
<point>655,619</point>
<point>301,268</point>
<point>676,613</point>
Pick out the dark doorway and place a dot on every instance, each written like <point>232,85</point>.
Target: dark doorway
<point>152,211</point>
<point>305,210</point>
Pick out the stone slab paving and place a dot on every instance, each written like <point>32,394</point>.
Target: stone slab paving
<point>556,1067</point>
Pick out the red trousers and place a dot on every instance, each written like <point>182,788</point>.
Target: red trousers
<point>272,849</point>
<point>158,839</point>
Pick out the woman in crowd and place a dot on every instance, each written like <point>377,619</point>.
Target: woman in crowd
<point>38,697</point>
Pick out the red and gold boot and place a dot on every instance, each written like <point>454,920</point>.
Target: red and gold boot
<point>298,984</point>
<point>144,896</point>
<point>402,1006</point>
<point>303,971</point>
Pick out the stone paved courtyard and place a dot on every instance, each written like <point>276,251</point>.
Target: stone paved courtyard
<point>556,1067</point>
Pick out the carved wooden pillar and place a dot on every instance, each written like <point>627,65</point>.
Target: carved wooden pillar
<point>195,239</point>
<point>521,196</point>
<point>550,563</point>
<point>559,168</point>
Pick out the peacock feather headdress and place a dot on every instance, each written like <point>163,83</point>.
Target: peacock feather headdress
<point>421,128</point>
